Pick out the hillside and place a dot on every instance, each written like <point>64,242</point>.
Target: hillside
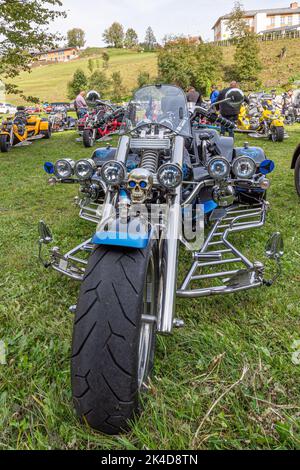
<point>49,82</point>
<point>276,72</point>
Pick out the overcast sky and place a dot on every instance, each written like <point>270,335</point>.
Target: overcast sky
<point>189,17</point>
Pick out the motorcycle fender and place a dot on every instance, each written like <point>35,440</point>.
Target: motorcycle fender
<point>295,157</point>
<point>277,123</point>
<point>128,236</point>
<point>44,126</point>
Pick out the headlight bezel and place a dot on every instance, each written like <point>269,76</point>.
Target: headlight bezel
<point>122,174</point>
<point>222,176</point>
<point>70,163</point>
<point>92,167</point>
<point>163,168</point>
<point>238,160</point>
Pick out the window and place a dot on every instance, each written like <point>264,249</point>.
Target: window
<point>290,20</point>
<point>272,20</point>
<point>282,20</point>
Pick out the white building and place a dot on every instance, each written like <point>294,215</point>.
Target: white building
<point>263,21</point>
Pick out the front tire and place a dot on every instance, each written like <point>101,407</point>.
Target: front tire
<point>277,133</point>
<point>88,138</point>
<point>47,134</point>
<point>113,346</point>
<point>297,175</point>
<point>4,143</point>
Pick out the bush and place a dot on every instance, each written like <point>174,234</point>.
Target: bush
<point>77,84</point>
<point>100,82</point>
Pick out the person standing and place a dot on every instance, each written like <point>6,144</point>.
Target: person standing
<point>227,109</point>
<point>194,98</point>
<point>214,96</point>
<point>80,105</point>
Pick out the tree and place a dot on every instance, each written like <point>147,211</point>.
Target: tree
<point>143,78</point>
<point>76,37</point>
<point>247,64</point>
<point>189,64</point>
<point>236,23</point>
<point>23,29</point>
<point>117,87</point>
<point>77,84</point>
<point>131,39</point>
<point>97,64</point>
<point>150,39</point>
<point>105,57</point>
<point>98,81</point>
<point>114,35</point>
<point>91,65</point>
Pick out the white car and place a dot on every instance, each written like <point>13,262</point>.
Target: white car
<point>6,108</point>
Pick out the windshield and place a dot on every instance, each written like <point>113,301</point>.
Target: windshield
<point>158,104</point>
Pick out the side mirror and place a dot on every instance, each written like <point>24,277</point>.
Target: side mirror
<point>275,247</point>
<point>45,233</point>
<point>235,96</point>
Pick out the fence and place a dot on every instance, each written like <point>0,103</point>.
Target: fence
<point>275,36</point>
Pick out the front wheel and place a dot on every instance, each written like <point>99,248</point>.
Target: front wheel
<point>114,335</point>
<point>297,175</point>
<point>48,133</point>
<point>88,138</point>
<point>277,134</point>
<point>4,143</point>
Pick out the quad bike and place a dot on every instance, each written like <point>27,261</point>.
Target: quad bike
<point>164,185</point>
<point>101,125</point>
<point>22,129</point>
<point>60,120</point>
<point>261,118</point>
<point>296,168</point>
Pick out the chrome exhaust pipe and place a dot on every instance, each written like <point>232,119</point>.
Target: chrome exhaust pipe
<point>170,251</point>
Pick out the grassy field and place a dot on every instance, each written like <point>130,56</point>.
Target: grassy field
<point>192,402</point>
<point>49,82</point>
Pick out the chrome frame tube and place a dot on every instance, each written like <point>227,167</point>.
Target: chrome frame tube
<point>170,253</point>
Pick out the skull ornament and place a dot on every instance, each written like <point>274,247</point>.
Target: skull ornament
<point>140,182</point>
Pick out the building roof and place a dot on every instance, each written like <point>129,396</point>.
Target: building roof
<point>62,49</point>
<point>268,11</point>
<point>281,28</point>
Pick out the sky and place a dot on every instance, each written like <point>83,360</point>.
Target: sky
<point>167,17</point>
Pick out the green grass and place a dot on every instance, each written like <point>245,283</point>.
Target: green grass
<point>193,368</point>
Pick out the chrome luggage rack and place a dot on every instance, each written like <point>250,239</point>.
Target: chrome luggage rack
<point>90,211</point>
<point>217,251</point>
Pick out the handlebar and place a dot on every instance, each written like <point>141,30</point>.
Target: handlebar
<point>214,118</point>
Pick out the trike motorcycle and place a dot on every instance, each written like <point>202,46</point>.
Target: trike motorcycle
<point>165,185</point>
<point>105,121</point>
<point>262,118</point>
<point>60,120</point>
<point>22,129</point>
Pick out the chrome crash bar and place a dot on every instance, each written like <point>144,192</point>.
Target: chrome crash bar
<point>238,272</point>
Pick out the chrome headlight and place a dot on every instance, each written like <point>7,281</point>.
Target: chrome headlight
<point>84,169</point>
<point>113,173</point>
<point>244,167</point>
<point>170,176</point>
<point>64,168</point>
<point>219,168</point>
